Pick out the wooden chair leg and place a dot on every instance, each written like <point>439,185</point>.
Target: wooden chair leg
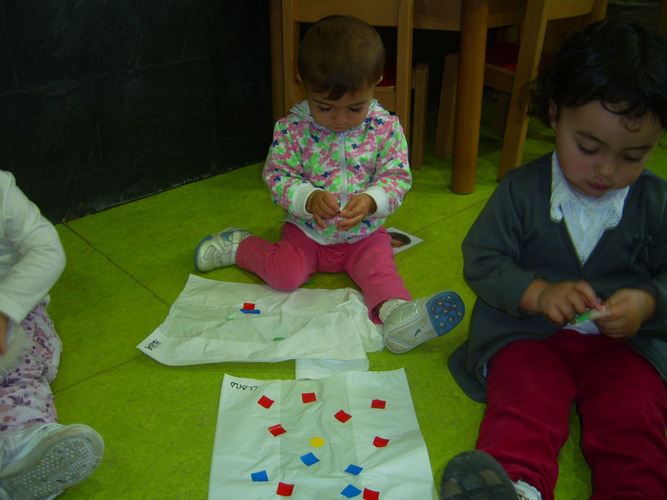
<point>532,41</point>
<point>444,132</point>
<point>420,80</point>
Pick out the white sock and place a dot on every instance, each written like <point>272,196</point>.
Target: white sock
<point>526,491</point>
<point>388,307</point>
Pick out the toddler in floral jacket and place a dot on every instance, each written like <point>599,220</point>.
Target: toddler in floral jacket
<point>338,166</point>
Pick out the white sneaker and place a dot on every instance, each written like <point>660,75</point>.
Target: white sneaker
<point>417,321</point>
<point>219,249</point>
<point>53,458</point>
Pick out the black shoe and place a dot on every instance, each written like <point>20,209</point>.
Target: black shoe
<point>475,475</point>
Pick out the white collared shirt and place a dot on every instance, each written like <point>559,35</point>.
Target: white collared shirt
<point>586,218</point>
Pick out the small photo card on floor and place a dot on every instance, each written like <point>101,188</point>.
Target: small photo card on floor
<point>400,240</point>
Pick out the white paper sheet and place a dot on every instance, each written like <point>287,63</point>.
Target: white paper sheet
<point>375,405</point>
<point>206,324</point>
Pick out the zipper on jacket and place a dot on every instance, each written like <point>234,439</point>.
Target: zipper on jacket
<point>342,160</point>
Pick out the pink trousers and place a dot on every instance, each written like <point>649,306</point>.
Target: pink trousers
<point>289,263</point>
<point>620,398</point>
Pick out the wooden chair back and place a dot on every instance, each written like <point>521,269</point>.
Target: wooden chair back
<point>538,14</point>
<point>391,13</point>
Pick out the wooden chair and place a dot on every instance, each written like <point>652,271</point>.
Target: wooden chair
<point>395,98</point>
<point>513,83</point>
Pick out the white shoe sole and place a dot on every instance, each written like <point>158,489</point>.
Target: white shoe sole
<point>61,460</point>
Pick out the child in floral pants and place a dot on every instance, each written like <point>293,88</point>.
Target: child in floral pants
<point>39,458</point>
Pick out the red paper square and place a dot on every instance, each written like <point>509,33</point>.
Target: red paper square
<point>371,495</point>
<point>277,430</point>
<point>308,397</point>
<point>380,404</point>
<point>342,416</point>
<point>285,490</point>
<point>248,306</point>
<point>265,402</point>
<point>380,442</point>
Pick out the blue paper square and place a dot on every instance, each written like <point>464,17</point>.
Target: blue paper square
<point>309,459</point>
<point>353,469</point>
<point>260,476</point>
<point>350,491</point>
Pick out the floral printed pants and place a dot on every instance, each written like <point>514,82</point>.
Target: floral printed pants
<point>25,393</point>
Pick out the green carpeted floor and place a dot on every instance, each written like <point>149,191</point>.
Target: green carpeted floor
<point>128,264</point>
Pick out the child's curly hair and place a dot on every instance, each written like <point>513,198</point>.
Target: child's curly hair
<point>620,64</point>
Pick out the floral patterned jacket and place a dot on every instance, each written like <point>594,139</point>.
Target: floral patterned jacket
<point>371,158</point>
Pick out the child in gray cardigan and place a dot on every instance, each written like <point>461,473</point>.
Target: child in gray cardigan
<point>582,230</point>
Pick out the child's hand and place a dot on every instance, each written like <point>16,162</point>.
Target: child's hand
<point>628,309</point>
<point>322,205</point>
<point>4,321</point>
<point>560,302</point>
<point>357,208</point>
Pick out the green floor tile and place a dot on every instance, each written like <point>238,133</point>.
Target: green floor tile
<point>99,311</point>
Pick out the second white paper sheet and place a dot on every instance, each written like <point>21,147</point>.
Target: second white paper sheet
<point>215,321</point>
<point>352,435</point>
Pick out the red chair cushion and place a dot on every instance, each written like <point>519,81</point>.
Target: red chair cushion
<point>388,75</point>
<point>503,54</point>
<point>506,55</point>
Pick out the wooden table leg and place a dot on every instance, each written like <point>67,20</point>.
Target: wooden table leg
<point>474,21</point>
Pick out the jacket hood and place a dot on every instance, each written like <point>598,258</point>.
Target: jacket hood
<point>302,110</point>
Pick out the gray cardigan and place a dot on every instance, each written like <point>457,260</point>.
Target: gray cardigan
<point>514,241</point>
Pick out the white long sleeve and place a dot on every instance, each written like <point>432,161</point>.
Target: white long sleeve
<point>31,255</point>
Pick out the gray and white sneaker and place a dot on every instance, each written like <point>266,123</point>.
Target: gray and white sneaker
<point>417,321</point>
<point>52,458</point>
<point>219,249</point>
<point>475,475</point>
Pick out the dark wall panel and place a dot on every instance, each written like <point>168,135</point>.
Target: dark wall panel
<point>102,102</point>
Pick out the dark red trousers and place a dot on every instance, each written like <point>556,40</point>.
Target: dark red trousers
<point>620,398</point>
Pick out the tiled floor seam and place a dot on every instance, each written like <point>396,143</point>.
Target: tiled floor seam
<point>138,355</point>
<point>115,264</point>
<point>456,214</point>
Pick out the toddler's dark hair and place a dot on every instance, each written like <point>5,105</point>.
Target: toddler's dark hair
<point>620,64</point>
<point>340,54</point>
